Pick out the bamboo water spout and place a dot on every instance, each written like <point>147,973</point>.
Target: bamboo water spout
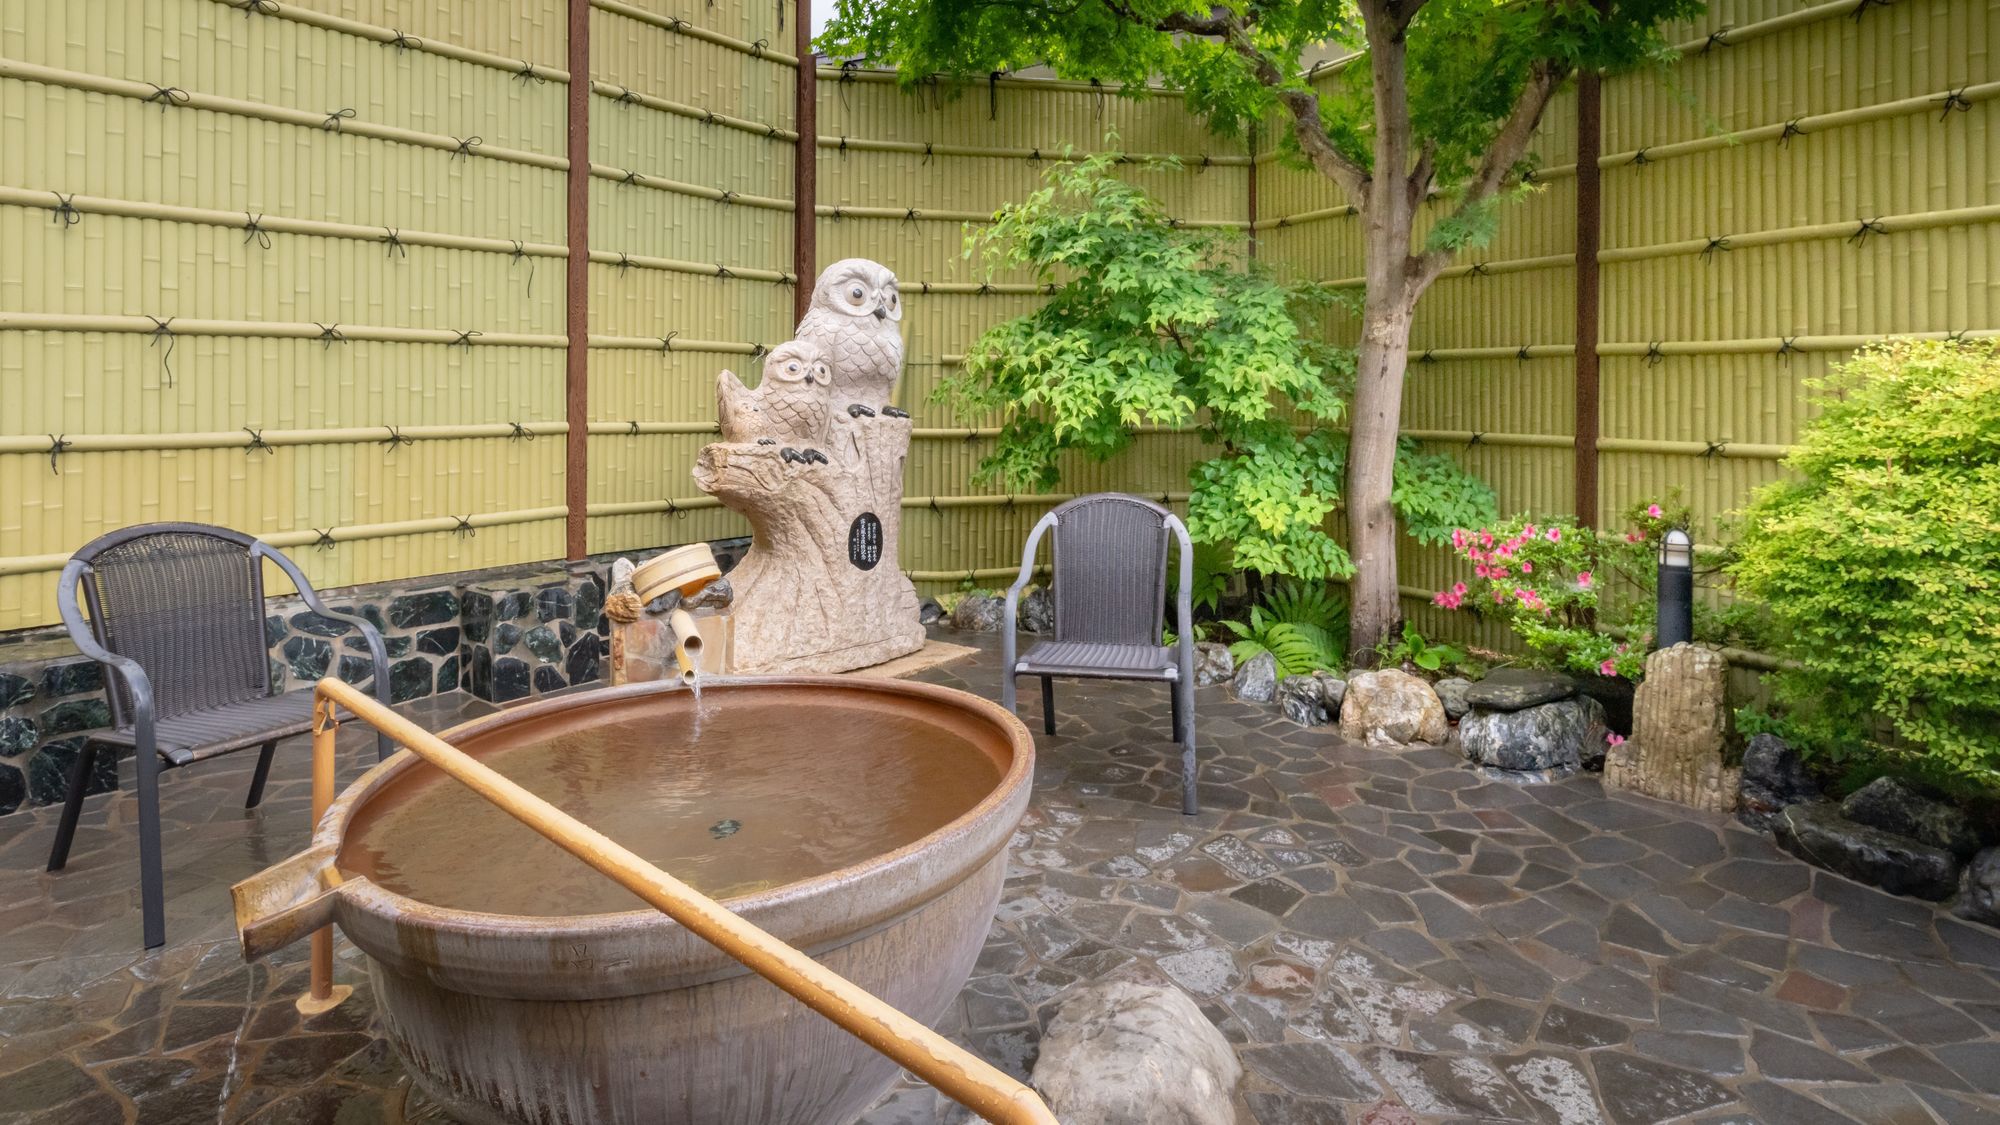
<point>269,917</point>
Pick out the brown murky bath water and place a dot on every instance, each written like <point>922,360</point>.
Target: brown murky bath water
<point>774,790</point>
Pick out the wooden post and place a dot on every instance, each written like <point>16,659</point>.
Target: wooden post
<point>325,995</point>
<point>805,171</point>
<point>576,371</point>
<point>1589,225</point>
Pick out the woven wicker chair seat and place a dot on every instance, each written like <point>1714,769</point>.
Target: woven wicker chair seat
<point>1098,659</point>
<point>198,735</point>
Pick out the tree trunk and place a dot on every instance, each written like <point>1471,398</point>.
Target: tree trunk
<point>1375,422</point>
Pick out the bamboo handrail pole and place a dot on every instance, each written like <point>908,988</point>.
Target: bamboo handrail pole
<point>699,191</point>
<point>274,224</point>
<point>38,444</point>
<point>360,30</point>
<point>671,344</point>
<point>268,329</point>
<point>324,995</point>
<point>867,74</point>
<point>237,107</point>
<point>963,1076</point>
<point>1063,156</point>
<point>678,265</point>
<point>619,93</point>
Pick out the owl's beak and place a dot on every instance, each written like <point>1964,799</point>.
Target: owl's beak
<point>881,314</point>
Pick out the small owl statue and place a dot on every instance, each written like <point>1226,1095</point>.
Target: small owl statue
<point>854,318</point>
<point>790,407</point>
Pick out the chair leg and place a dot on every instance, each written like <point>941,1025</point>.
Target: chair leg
<point>152,881</point>
<point>1048,705</point>
<point>1190,772</point>
<point>79,780</point>
<point>1174,694</point>
<point>262,775</point>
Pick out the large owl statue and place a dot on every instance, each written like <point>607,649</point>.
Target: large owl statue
<point>790,407</point>
<point>854,318</point>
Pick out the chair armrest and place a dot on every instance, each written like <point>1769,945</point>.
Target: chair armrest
<point>138,685</point>
<point>378,652</point>
<point>1009,622</point>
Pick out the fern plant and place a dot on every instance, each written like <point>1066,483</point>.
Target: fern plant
<point>1299,624</point>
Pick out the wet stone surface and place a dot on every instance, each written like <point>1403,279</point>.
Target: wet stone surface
<point>1384,935</point>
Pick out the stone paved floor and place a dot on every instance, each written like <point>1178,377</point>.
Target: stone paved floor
<point>1387,936</point>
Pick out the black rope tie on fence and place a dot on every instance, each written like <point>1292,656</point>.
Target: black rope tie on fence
<point>935,510</point>
<point>1955,100</point>
<point>785,279</point>
<point>1203,166</point>
<point>843,146</point>
<point>255,8</point>
<point>57,444</point>
<point>676,24</point>
<point>726,198</point>
<point>465,527</point>
<point>924,287</point>
<point>1427,357</point>
<point>781,15</point>
<point>1654,356</point>
<point>1786,346</point>
<point>985,288</point>
<point>1475,438</point>
<point>1715,449</point>
<point>624,261</point>
<point>1867,227</point>
<point>163,329</point>
<point>168,96</point>
<point>465,147</point>
<point>404,42</point>
<point>1640,157</point>
<point>333,120</point>
<point>396,438</point>
<point>392,238</point>
<point>846,79</point>
<point>528,74</point>
<point>1718,38</point>
<point>839,213</point>
<point>667,341</point>
<point>632,428</point>
<point>1477,269</point>
<point>1034,156</point>
<point>1009,505</point>
<point>626,96</point>
<point>330,334</point>
<point>1049,288</point>
<point>521,433</point>
<point>520,254</point>
<point>993,94</point>
<point>1862,8</point>
<point>1173,223</point>
<point>465,336</point>
<point>1709,251</point>
<point>758,351</point>
<point>1522,354</point>
<point>1527,175</point>
<point>257,442</point>
<point>723,271</point>
<point>253,227</point>
<point>912,215</point>
<point>675,510</point>
<point>630,177</point>
<point>1791,130</point>
<point>65,211</point>
<point>757,48</point>
<point>1956,336</point>
<point>708,117</point>
<point>927,154</point>
<point>325,540</point>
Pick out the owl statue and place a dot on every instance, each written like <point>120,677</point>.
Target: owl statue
<point>853,317</point>
<point>790,407</point>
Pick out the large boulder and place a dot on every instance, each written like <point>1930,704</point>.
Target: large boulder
<point>1300,698</point>
<point>1256,679</point>
<point>1559,736</point>
<point>978,613</point>
<point>1979,889</point>
<point>1123,1053</point>
<point>1391,706</point>
<point>1774,779</point>
<point>1212,663</point>
<point>1037,612</point>
<point>1451,693</point>
<point>1894,807</point>
<point>1819,835</point>
<point>1679,719</point>
<point>1514,689</point>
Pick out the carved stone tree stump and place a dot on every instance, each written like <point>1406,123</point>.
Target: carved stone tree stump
<point>1679,720</point>
<point>820,589</point>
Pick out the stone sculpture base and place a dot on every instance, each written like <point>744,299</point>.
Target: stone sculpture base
<point>821,589</point>
<point>1679,718</point>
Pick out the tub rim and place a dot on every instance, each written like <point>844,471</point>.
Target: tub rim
<point>1014,784</point>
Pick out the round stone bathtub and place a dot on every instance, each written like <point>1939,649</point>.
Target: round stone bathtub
<point>862,821</point>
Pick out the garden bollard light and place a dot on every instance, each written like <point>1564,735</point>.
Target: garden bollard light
<point>1676,586</point>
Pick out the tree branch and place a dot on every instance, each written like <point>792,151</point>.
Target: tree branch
<point>1505,151</point>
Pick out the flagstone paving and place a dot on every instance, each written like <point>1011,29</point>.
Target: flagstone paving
<point>1387,937</point>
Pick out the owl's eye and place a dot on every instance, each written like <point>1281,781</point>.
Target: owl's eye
<point>791,367</point>
<point>855,294</point>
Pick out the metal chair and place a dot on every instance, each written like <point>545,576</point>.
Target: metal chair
<point>1110,580</point>
<point>176,616</point>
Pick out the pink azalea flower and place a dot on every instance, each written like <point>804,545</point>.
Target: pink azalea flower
<point>1458,588</point>
<point>1631,537</point>
<point>1555,535</point>
<point>1528,531</point>
<point>1608,668</point>
<point>1653,510</point>
<point>1458,537</point>
<point>1486,539</point>
<point>1614,739</point>
<point>1482,571</point>
<point>1583,579</point>
<point>1527,567</point>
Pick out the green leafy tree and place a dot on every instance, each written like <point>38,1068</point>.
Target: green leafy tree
<point>1443,105</point>
<point>1148,323</point>
<point>1880,562</point>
